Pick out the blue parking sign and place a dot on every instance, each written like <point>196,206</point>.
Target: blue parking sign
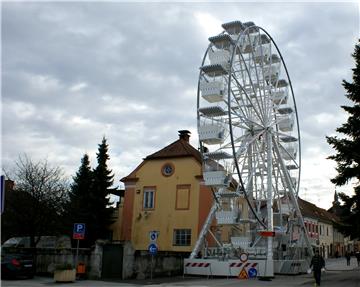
<point>79,231</point>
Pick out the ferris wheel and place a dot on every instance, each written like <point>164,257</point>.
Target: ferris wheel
<point>249,138</point>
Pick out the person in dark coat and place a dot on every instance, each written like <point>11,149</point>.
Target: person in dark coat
<point>348,258</point>
<point>317,263</point>
<point>357,255</point>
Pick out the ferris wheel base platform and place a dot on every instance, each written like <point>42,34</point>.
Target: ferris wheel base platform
<point>290,267</point>
<point>251,268</point>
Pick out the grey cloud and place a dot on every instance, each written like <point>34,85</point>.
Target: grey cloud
<point>73,72</point>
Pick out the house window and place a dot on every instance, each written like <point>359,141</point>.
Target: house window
<point>149,198</point>
<point>327,230</point>
<point>182,237</point>
<point>182,197</point>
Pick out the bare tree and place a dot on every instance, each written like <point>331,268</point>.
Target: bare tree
<point>36,205</point>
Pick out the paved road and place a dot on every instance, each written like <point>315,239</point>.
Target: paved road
<point>330,278</point>
<point>338,275</point>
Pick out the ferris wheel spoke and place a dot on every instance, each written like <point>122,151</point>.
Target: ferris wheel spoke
<point>248,105</point>
<point>256,79</point>
<point>260,107</point>
<point>246,77</point>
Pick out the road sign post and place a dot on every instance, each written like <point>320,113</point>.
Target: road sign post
<point>152,250</point>
<point>79,234</point>
<point>2,189</point>
<point>79,231</point>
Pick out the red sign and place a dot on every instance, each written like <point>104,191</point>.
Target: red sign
<point>78,236</point>
<point>267,233</point>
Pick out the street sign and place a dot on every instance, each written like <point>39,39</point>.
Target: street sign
<point>243,274</point>
<point>252,272</point>
<point>153,236</point>
<point>2,189</point>
<point>153,248</point>
<point>266,233</point>
<point>244,257</point>
<point>79,231</point>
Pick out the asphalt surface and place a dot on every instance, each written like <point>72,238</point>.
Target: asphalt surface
<point>337,274</point>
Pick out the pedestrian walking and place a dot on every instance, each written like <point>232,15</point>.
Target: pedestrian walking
<point>348,257</point>
<point>317,263</point>
<point>358,257</point>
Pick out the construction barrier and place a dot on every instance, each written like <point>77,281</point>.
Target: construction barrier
<point>231,268</point>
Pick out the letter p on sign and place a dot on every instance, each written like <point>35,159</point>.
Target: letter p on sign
<point>79,231</point>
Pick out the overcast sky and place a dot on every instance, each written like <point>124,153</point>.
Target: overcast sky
<point>74,72</point>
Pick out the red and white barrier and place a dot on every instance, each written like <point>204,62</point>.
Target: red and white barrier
<point>214,267</point>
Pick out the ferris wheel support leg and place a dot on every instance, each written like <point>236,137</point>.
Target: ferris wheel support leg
<point>204,230</point>
<point>269,264</point>
<point>294,200</point>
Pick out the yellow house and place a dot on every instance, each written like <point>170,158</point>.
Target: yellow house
<point>165,195</point>
<point>116,226</point>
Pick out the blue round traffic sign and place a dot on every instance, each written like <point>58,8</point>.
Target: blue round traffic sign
<point>153,235</point>
<point>252,272</point>
<point>153,248</point>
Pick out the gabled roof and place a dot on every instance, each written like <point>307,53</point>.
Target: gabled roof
<point>311,210</point>
<point>177,149</point>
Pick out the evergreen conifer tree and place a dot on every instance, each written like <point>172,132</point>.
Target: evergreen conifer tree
<point>79,207</point>
<point>347,154</point>
<point>102,187</point>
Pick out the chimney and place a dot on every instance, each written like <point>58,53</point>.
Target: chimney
<point>184,135</point>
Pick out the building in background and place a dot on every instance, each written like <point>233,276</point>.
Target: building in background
<point>311,220</point>
<point>165,194</point>
<point>342,244</point>
<point>322,228</point>
<point>326,233</point>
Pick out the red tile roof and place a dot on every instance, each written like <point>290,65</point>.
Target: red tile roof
<point>177,149</point>
<point>311,210</point>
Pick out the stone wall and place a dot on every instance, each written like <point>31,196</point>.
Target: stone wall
<point>95,269</point>
<point>136,264</point>
<point>140,264</point>
<point>128,261</point>
<point>48,258</point>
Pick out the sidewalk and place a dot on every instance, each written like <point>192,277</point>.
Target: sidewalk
<point>339,264</point>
